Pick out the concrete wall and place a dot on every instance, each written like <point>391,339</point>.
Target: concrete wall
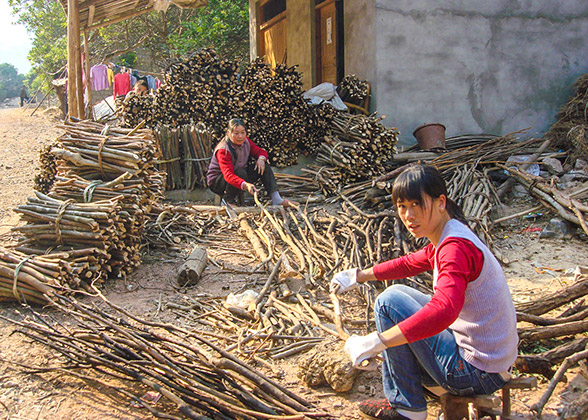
<point>474,65</point>
<point>359,36</point>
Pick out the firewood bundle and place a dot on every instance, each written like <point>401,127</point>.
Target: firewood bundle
<point>206,89</point>
<point>201,88</point>
<point>94,214</point>
<point>186,152</point>
<point>29,278</point>
<point>353,90</point>
<point>134,109</point>
<point>359,148</point>
<point>276,112</point>
<point>47,170</point>
<point>67,225</point>
<point>96,151</point>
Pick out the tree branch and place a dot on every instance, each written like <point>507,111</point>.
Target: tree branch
<point>126,50</point>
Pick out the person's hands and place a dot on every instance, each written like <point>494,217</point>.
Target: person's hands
<point>250,188</point>
<point>362,348</point>
<point>344,281</point>
<point>260,165</point>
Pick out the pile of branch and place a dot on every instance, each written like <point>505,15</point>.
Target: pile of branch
<point>562,203</point>
<point>135,109</point>
<point>316,243</point>
<point>544,327</point>
<point>353,90</point>
<point>475,194</point>
<point>359,148</point>
<point>186,152</point>
<point>570,131</point>
<point>169,226</point>
<point>201,379</point>
<point>204,88</point>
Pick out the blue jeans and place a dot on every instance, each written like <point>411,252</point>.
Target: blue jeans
<point>433,361</point>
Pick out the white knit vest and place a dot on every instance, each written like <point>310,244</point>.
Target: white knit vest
<point>486,328</point>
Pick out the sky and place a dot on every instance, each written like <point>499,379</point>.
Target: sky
<point>15,43</point>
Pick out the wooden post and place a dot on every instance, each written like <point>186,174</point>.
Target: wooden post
<point>73,57</point>
<point>89,110</point>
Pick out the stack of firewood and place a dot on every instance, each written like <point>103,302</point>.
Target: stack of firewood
<point>353,90</point>
<point>359,148</point>
<point>94,214</point>
<point>201,88</point>
<point>134,109</point>
<point>186,152</point>
<point>205,89</point>
<point>98,227</point>
<point>47,169</point>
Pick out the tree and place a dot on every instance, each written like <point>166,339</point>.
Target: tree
<point>223,24</point>
<point>10,81</point>
<point>155,37</point>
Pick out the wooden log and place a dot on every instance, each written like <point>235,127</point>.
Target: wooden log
<point>193,267</point>
<point>556,299</point>
<point>552,331</point>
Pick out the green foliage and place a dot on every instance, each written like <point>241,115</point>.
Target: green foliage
<point>223,25</point>
<point>128,59</point>
<point>10,81</point>
<point>153,38</point>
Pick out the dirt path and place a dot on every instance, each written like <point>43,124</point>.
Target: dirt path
<point>60,396</point>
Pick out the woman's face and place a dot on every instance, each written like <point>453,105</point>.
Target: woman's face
<point>424,218</point>
<point>238,135</point>
<point>140,90</point>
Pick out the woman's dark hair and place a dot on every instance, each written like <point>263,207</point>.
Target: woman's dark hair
<point>417,180</point>
<point>143,82</point>
<point>234,123</point>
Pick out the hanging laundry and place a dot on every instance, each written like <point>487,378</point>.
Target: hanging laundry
<point>157,83</point>
<point>151,82</point>
<point>99,77</point>
<point>110,76</point>
<point>122,84</point>
<point>133,80</point>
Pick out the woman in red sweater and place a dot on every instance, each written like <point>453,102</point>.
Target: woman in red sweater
<point>464,337</point>
<point>237,163</point>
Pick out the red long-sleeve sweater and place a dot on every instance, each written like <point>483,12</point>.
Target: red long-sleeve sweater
<point>460,262</point>
<point>225,162</point>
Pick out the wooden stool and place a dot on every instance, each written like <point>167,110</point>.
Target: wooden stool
<point>455,407</point>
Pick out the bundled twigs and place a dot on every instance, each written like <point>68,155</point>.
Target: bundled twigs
<point>353,90</point>
<point>47,169</point>
<point>31,279</point>
<point>186,152</point>
<point>96,151</point>
<point>565,205</point>
<point>359,147</point>
<point>475,194</point>
<point>201,378</point>
<point>169,226</point>
<point>498,149</point>
<point>134,109</point>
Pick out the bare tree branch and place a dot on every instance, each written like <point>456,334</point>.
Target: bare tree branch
<point>129,48</point>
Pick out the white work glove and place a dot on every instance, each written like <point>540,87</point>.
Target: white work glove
<point>362,348</point>
<point>344,281</point>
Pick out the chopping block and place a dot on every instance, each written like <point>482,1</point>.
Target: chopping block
<point>455,407</point>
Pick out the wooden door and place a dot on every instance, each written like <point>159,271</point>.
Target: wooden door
<point>326,42</point>
<point>273,40</point>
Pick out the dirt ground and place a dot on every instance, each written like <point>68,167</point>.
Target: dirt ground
<point>534,267</point>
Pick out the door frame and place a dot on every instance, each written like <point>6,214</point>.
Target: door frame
<point>340,59</point>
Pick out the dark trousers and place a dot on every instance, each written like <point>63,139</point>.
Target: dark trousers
<point>221,187</point>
